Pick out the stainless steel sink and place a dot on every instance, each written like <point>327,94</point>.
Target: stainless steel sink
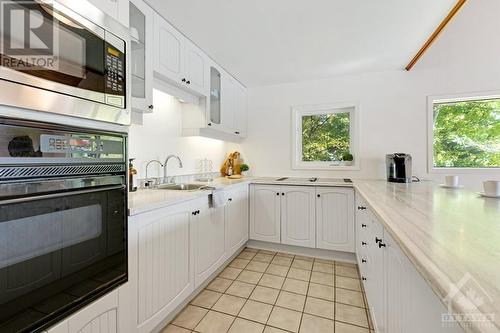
<point>181,187</point>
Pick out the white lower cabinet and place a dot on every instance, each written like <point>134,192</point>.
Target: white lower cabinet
<point>265,213</point>
<point>236,217</point>
<point>298,225</point>
<point>335,219</point>
<point>400,300</point>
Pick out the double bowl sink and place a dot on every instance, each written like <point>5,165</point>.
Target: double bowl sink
<point>181,187</point>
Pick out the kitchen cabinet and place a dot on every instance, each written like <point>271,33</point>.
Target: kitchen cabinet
<point>240,117</point>
<point>400,300</point>
<point>228,103</point>
<point>236,216</point>
<point>335,219</point>
<point>208,239</point>
<point>141,18</point>
<point>118,9</point>
<point>179,61</point>
<point>298,225</point>
<point>265,213</point>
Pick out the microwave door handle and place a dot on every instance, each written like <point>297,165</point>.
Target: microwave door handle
<point>60,194</point>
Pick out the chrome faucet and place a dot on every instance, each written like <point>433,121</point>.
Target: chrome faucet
<point>165,166</point>
<point>147,166</point>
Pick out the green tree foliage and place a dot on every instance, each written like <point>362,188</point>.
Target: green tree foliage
<point>325,137</point>
<point>467,134</point>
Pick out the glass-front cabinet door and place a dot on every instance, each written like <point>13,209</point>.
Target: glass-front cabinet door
<point>215,97</point>
<point>141,35</point>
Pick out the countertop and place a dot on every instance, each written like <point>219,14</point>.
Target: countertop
<point>145,200</point>
<point>302,181</point>
<point>451,236</point>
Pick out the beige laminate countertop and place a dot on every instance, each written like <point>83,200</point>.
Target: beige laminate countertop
<point>145,200</point>
<point>451,236</point>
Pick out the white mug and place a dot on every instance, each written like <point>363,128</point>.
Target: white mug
<point>492,188</point>
<point>451,181</point>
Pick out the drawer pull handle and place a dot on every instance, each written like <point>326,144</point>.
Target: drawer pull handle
<point>363,225</point>
<point>378,240</point>
<point>363,260</point>
<point>363,278</point>
<point>361,207</point>
<point>363,243</point>
<point>381,245</point>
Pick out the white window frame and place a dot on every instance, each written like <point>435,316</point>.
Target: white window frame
<point>462,97</point>
<point>299,111</point>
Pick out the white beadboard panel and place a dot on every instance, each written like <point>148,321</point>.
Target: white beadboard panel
<point>298,216</point>
<point>163,262</point>
<point>265,213</point>
<point>335,219</point>
<point>236,214</point>
<point>99,317</point>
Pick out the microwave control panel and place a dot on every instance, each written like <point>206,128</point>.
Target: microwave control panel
<point>115,71</point>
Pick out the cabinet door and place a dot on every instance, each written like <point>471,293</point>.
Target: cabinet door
<point>141,18</point>
<point>169,54</point>
<point>163,263</point>
<point>265,213</point>
<point>228,102</point>
<point>209,241</point>
<point>298,225</point>
<point>335,219</point>
<point>236,219</point>
<point>241,111</point>
<point>196,69</point>
<point>98,317</point>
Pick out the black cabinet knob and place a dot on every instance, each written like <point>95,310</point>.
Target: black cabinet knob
<point>277,193</point>
<point>151,107</point>
<point>361,207</point>
<point>363,243</point>
<point>209,124</point>
<point>230,199</point>
<point>363,278</point>
<point>363,260</point>
<point>183,80</point>
<point>237,133</point>
<point>363,225</point>
<point>282,193</point>
<point>381,245</point>
<point>319,195</point>
<point>378,240</point>
<point>193,213</point>
<point>188,82</point>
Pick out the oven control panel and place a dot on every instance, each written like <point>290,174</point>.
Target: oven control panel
<point>59,144</point>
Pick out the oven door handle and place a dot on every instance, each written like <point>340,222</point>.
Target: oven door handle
<point>61,194</point>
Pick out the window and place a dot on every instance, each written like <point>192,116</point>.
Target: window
<point>324,137</point>
<point>465,133</point>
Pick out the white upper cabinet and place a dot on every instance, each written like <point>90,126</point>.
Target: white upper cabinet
<point>195,69</point>
<point>142,40</point>
<point>240,117</point>
<point>236,215</point>
<point>118,9</point>
<point>169,52</point>
<point>298,216</point>
<point>335,219</point>
<point>228,102</point>
<point>265,213</point>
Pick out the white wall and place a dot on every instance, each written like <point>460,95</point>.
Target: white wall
<point>160,135</point>
<point>393,105</point>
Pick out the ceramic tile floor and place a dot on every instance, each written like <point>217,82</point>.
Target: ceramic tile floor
<point>267,292</point>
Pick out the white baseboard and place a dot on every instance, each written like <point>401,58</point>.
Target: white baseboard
<point>304,251</point>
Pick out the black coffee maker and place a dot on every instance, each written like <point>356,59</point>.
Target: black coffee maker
<point>399,168</point>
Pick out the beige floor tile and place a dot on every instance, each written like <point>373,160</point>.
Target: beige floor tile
<point>270,329</point>
<point>345,263</point>
<point>230,273</point>
<point>285,319</point>
<point>249,277</point>
<point>313,324</point>
<point>256,311</point>
<point>175,329</point>
<point>246,255</point>
<point>239,263</point>
<point>302,264</point>
<point>219,284</point>
<point>267,252</point>
<point>267,258</point>
<point>323,278</point>
<point>245,326</point>
<point>257,266</point>
<point>229,304</point>
<point>347,283</point>
<point>282,261</point>
<point>323,268</point>
<point>350,297</point>
<point>284,254</point>
<point>277,270</point>
<point>190,317</point>
<point>311,259</point>
<point>215,322</point>
<point>295,286</point>
<point>265,295</point>
<point>206,298</point>
<point>299,274</point>
<point>325,261</point>
<point>321,291</point>
<point>291,301</point>
<point>320,307</point>
<point>347,271</point>
<point>240,289</point>
<point>272,281</point>
<point>346,328</point>
<point>351,314</point>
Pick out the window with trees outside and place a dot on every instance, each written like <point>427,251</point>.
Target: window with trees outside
<point>324,137</point>
<point>466,133</point>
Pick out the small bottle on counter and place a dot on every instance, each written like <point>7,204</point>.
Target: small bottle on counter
<point>132,176</point>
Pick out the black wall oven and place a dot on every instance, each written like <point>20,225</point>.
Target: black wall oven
<point>62,221</point>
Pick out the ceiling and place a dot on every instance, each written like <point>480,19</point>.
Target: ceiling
<point>264,42</point>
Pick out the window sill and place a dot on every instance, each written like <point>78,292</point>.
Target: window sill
<point>326,167</point>
<point>477,171</point>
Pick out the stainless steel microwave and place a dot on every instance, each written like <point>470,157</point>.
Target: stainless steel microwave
<point>66,57</point>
